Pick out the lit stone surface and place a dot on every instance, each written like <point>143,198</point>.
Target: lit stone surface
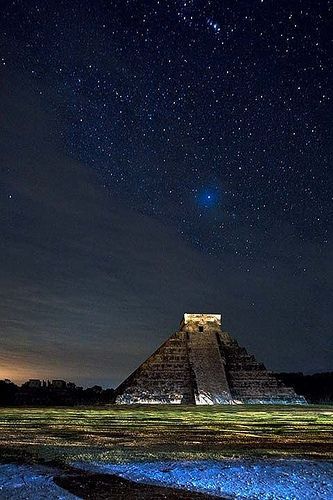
<point>246,479</point>
<point>200,364</point>
<point>30,482</point>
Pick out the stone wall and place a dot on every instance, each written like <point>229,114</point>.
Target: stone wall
<point>164,377</point>
<point>250,382</point>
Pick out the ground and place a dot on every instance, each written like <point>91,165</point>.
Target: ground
<point>197,448</point>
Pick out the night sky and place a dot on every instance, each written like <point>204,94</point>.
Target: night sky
<point>162,157</point>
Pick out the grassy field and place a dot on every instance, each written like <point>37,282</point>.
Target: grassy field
<point>121,433</point>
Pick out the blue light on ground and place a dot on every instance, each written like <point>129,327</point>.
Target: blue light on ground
<point>30,482</point>
<point>253,479</point>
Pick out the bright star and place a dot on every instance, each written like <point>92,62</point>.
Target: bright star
<point>207,198</point>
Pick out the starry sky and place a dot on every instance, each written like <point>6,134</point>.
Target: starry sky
<point>162,157</point>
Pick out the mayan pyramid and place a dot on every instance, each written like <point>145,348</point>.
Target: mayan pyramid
<point>203,365</point>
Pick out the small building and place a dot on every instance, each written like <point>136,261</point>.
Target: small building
<point>58,384</point>
<point>33,383</point>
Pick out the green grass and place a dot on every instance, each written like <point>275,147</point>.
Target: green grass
<point>118,433</point>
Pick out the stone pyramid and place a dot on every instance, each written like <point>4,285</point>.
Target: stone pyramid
<point>200,364</point>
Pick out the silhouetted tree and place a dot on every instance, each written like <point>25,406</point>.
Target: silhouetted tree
<point>8,391</point>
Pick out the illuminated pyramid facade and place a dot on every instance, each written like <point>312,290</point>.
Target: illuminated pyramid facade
<point>200,364</point>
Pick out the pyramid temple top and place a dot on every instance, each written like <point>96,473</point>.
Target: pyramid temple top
<point>201,318</point>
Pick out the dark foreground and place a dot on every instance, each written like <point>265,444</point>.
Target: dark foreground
<point>148,452</point>
<point>108,486</point>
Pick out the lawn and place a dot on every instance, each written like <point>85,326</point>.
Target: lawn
<point>125,433</point>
